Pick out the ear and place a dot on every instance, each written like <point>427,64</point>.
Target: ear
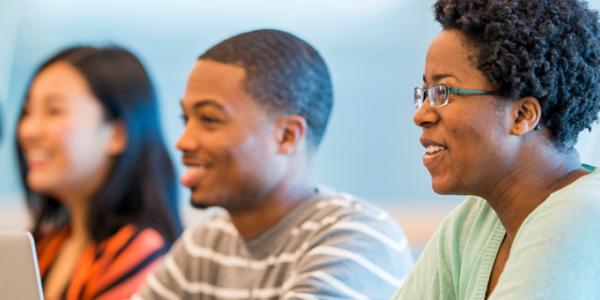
<point>527,113</point>
<point>291,133</point>
<point>118,139</point>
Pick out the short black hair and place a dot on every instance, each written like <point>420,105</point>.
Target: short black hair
<point>547,49</point>
<point>284,74</point>
<point>141,188</point>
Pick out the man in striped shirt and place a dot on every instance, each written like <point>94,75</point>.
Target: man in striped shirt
<point>255,108</point>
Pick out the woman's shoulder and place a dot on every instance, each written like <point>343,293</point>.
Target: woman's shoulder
<point>578,202</point>
<point>122,261</point>
<point>134,239</point>
<point>566,220</point>
<point>471,222</point>
<point>472,211</point>
<point>555,246</point>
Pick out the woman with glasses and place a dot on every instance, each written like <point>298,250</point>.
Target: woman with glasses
<point>98,179</point>
<point>508,86</point>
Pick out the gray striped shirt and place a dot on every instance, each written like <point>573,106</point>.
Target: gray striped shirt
<point>332,246</point>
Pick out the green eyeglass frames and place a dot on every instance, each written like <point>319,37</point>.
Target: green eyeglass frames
<point>437,94</point>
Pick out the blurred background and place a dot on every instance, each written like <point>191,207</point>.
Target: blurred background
<point>375,50</point>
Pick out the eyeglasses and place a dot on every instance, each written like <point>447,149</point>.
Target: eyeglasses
<point>437,94</point>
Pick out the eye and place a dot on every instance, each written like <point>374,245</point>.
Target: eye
<point>209,120</point>
<point>53,111</point>
<point>184,118</point>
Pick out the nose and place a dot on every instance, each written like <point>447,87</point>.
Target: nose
<point>29,128</point>
<point>186,141</point>
<point>426,116</point>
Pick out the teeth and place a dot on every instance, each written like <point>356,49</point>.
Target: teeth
<point>431,149</point>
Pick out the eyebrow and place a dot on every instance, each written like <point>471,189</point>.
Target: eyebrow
<point>205,102</point>
<point>51,99</point>
<point>55,98</point>
<point>438,77</point>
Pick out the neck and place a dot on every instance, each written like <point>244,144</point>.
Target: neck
<point>77,201</point>
<point>78,209</point>
<point>524,189</point>
<point>272,208</point>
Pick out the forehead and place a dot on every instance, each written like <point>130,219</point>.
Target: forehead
<point>220,82</point>
<point>59,78</point>
<point>450,56</point>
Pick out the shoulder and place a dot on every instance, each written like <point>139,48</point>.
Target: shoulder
<point>341,206</point>
<point>438,269</point>
<point>471,216</point>
<point>581,196</point>
<point>132,243</point>
<point>340,211</point>
<point>351,243</point>
<point>468,211</point>
<point>341,224</point>
<point>214,224</point>
<point>556,246</point>
<point>569,214</point>
<point>213,233</point>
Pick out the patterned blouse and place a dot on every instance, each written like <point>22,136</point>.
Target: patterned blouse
<point>112,269</point>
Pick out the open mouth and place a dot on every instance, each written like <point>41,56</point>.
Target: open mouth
<point>432,150</point>
<point>36,158</point>
<point>192,174</point>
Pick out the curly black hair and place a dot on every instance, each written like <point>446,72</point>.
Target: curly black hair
<point>283,73</point>
<point>547,49</point>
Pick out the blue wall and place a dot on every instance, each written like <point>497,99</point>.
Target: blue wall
<point>375,50</point>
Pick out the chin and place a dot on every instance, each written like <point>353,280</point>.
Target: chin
<point>442,188</point>
<point>441,191</point>
<point>38,186</point>
<point>199,205</point>
<point>451,188</point>
<point>201,201</point>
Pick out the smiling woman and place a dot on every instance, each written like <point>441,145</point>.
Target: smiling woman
<point>98,179</point>
<point>503,100</point>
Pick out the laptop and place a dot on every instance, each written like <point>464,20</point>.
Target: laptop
<point>19,275</point>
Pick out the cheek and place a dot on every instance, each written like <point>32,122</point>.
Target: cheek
<point>72,139</point>
<point>57,138</point>
<point>254,158</point>
<point>62,137</point>
<point>85,149</point>
<point>248,155</point>
<point>468,144</point>
<point>466,137</point>
<point>476,148</point>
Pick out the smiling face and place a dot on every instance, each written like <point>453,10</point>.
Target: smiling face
<point>468,143</point>
<point>229,143</point>
<point>63,135</point>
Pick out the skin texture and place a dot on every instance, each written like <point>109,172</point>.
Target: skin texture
<point>468,126</point>
<point>240,157</point>
<point>490,147</point>
<point>63,133</point>
<point>68,148</point>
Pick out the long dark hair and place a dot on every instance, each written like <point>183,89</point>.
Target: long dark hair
<point>141,188</point>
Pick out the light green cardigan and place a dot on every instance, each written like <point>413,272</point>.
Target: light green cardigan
<point>555,254</point>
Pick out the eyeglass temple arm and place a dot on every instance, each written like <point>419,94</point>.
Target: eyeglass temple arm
<point>458,91</point>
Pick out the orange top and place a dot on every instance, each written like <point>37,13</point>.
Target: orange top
<point>112,269</point>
